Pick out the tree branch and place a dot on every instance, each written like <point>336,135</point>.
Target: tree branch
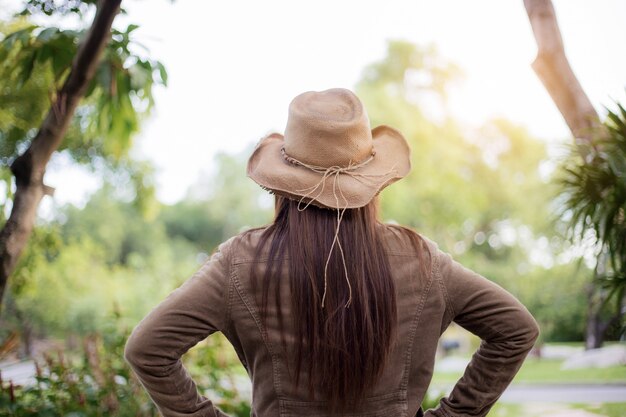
<point>554,71</point>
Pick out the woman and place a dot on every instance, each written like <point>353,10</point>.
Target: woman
<point>330,311</point>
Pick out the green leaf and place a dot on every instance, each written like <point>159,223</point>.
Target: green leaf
<point>614,118</point>
<point>26,69</point>
<point>4,52</point>
<point>24,36</point>
<point>104,77</point>
<point>162,73</point>
<point>61,62</point>
<point>618,165</point>
<point>44,54</point>
<point>47,34</point>
<point>622,110</point>
<point>131,28</point>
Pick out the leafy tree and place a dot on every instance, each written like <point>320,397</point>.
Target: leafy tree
<point>41,65</point>
<point>554,70</point>
<point>594,198</point>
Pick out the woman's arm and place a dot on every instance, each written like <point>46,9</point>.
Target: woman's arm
<point>188,314</point>
<point>507,329</point>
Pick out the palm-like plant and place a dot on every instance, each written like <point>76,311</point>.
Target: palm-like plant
<point>594,193</point>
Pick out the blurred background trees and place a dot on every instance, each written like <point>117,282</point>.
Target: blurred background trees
<point>491,196</point>
<point>485,195</point>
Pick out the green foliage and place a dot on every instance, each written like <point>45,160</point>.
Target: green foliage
<point>117,98</point>
<point>24,97</point>
<point>557,303</point>
<point>220,205</point>
<point>98,384</point>
<point>107,258</point>
<point>123,236</point>
<point>478,193</point>
<point>79,269</point>
<point>192,221</point>
<point>482,176</point>
<point>26,48</point>
<point>121,254</point>
<point>594,198</point>
<point>93,259</point>
<point>214,365</point>
<point>34,63</point>
<point>405,64</point>
<point>464,185</point>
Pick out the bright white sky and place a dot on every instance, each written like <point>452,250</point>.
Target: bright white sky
<point>235,66</point>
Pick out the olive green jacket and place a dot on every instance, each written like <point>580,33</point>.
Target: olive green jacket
<point>218,297</point>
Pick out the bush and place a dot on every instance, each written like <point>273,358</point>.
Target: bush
<point>97,382</point>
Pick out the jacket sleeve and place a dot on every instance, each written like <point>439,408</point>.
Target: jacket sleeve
<point>186,316</point>
<point>508,332</point>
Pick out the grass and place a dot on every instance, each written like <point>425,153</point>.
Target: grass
<point>519,410</point>
<point>542,371</point>
<point>549,371</point>
<point>508,410</point>
<point>607,409</point>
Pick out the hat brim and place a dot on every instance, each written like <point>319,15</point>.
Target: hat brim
<point>391,162</point>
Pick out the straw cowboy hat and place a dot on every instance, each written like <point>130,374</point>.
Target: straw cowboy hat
<point>328,155</point>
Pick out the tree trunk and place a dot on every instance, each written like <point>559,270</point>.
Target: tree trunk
<point>553,69</point>
<point>601,318</point>
<point>600,323</point>
<point>29,168</point>
<point>595,328</point>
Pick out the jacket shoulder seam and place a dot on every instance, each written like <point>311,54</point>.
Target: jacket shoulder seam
<point>442,284</point>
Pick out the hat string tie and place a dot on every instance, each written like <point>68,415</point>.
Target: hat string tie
<point>334,172</point>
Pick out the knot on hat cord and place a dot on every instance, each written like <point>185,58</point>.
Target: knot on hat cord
<point>334,172</point>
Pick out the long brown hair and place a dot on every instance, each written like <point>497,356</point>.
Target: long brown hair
<point>344,349</point>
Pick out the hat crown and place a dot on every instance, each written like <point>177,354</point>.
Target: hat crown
<point>328,128</point>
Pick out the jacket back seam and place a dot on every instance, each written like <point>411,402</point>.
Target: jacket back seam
<point>264,336</point>
<point>414,325</point>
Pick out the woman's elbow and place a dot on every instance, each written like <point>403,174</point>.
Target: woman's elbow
<point>533,331</point>
<point>528,331</point>
<point>521,333</point>
<point>133,349</point>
